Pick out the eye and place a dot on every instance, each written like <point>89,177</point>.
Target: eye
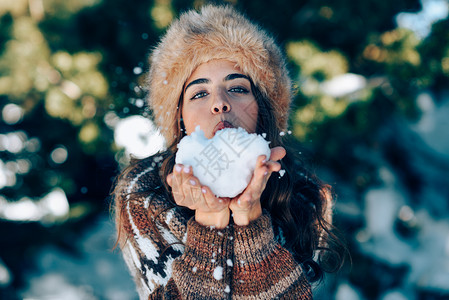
<point>239,89</point>
<point>199,95</point>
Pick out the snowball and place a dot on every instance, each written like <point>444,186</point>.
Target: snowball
<point>224,163</point>
<point>218,273</point>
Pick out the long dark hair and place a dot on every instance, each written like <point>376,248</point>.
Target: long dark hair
<point>299,203</point>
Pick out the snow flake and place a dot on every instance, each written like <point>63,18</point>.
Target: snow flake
<point>229,262</point>
<point>218,273</point>
<point>281,173</point>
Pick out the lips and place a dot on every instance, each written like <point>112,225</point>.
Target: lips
<point>222,125</point>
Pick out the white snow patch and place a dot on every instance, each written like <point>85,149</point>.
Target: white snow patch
<point>347,292</point>
<point>343,85</point>
<point>421,22</point>
<point>218,273</point>
<point>139,136</point>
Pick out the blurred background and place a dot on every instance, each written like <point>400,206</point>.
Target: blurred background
<point>371,115</point>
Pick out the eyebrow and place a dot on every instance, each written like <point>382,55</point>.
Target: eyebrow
<point>235,76</point>
<point>227,78</point>
<point>197,81</point>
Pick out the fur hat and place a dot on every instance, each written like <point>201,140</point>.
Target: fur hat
<point>215,32</point>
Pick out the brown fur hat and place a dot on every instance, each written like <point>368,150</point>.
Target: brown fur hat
<point>215,32</point>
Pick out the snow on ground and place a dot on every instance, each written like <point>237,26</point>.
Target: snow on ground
<point>98,273</point>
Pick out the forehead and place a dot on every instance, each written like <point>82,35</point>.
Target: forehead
<point>214,68</point>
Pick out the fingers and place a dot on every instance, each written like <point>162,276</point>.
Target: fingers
<point>264,168</point>
<point>212,202</point>
<point>247,206</point>
<point>268,166</point>
<point>169,179</point>
<point>188,191</point>
<point>192,188</point>
<point>257,183</point>
<point>273,166</point>
<point>180,181</point>
<point>277,153</point>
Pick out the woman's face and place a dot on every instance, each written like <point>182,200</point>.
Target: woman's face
<point>218,95</point>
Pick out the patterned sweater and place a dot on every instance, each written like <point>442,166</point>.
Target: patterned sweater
<point>171,256</point>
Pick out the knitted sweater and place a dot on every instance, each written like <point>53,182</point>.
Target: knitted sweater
<point>171,256</point>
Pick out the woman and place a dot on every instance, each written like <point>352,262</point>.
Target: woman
<point>215,69</point>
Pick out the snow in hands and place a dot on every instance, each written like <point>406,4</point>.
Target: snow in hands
<point>224,163</point>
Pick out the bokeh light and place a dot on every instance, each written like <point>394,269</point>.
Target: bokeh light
<point>369,113</point>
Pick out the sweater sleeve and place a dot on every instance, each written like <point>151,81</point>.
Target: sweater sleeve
<point>150,230</point>
<point>198,269</point>
<point>149,245</point>
<point>204,270</point>
<point>169,255</point>
<point>263,268</point>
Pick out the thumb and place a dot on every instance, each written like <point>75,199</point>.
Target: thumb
<point>169,179</point>
<point>277,153</point>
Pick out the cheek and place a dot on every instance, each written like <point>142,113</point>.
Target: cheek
<point>249,113</point>
<point>188,121</point>
<point>191,116</point>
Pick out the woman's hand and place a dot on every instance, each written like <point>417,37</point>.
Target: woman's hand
<point>246,207</point>
<point>187,191</point>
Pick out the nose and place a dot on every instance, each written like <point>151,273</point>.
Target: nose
<point>220,105</point>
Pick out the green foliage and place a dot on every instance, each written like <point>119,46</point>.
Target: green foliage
<point>434,51</point>
<point>69,65</point>
<point>72,62</point>
<point>5,30</point>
